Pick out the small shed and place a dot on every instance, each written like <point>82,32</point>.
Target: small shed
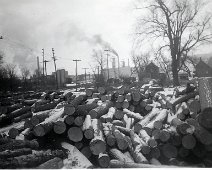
<point>152,71</point>
<point>203,69</point>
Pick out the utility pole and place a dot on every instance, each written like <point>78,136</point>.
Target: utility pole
<point>107,65</point>
<point>55,68</point>
<point>76,71</point>
<point>43,61</point>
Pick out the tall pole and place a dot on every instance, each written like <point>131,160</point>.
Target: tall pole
<point>76,72</point>
<point>85,77</point>
<point>55,68</point>
<point>43,61</point>
<point>107,65</point>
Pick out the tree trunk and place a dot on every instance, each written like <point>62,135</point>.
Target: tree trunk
<point>175,72</point>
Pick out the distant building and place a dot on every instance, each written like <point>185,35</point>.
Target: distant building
<point>203,69</point>
<point>152,71</point>
<point>62,75</point>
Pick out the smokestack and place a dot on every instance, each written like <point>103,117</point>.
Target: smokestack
<point>113,63</point>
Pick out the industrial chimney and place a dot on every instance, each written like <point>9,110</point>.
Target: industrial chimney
<point>113,63</point>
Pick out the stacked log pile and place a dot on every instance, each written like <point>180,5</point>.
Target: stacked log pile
<point>123,127</point>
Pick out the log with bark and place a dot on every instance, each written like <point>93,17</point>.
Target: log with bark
<point>47,125</point>
<point>137,117</point>
<point>118,155</point>
<point>15,153</point>
<point>44,107</point>
<point>100,110</point>
<point>55,163</point>
<point>88,128</point>
<point>120,139</point>
<point>97,144</point>
<point>103,160</point>
<point>108,132</point>
<point>31,160</point>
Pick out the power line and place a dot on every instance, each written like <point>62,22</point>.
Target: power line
<point>76,71</point>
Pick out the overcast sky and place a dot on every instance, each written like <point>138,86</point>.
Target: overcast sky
<point>72,27</point>
<point>68,26</point>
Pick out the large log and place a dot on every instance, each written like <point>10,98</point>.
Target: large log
<point>78,121</point>
<point>109,115</point>
<point>137,145</point>
<point>75,134</point>
<point>88,128</point>
<point>15,153</point>
<point>13,107</point>
<point>119,123</point>
<point>108,132</point>
<point>120,139</point>
<point>118,155</point>
<point>44,107</point>
<point>129,122</point>
<point>86,151</point>
<point>194,105</point>
<point>59,126</point>
<point>17,144</point>
<point>31,160</point>
<point>169,151</point>
<point>101,110</point>
<point>40,117</point>
<point>55,163</point>
<point>188,141</point>
<point>123,130</point>
<point>104,160</point>
<point>138,126</point>
<point>202,134</point>
<point>97,144</point>
<point>24,116</point>
<point>47,125</point>
<point>137,117</point>
<point>147,139</point>
<point>118,115</point>
<point>69,120</point>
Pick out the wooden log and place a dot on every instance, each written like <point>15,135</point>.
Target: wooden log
<point>13,107</point>
<point>119,123</point>
<point>32,160</point>
<point>120,98</point>
<point>138,126</point>
<point>118,115</point>
<point>100,110</point>
<point>88,128</point>
<point>47,125</point>
<point>59,126</point>
<point>128,97</point>
<point>129,122</point>
<point>89,92</point>
<point>102,90</point>
<point>97,144</point>
<point>26,134</point>
<point>15,153</point>
<point>125,104</point>
<point>78,145</point>
<point>155,153</point>
<point>103,160</point>
<point>120,164</point>
<point>169,151</point>
<point>127,153</point>
<point>193,115</point>
<point>132,108</point>
<point>109,115</point>
<point>194,105</point>
<point>140,158</point>
<point>161,117</point>
<point>118,105</point>
<point>147,139</point>
<point>17,144</point>
<point>75,134</point>
<point>136,96</point>
<point>29,102</point>
<point>78,121</point>
<point>137,117</point>
<point>103,98</point>
<point>155,134</point>
<point>118,155</point>
<point>202,134</point>
<point>78,100</point>
<point>123,130</point>
<point>18,112</point>
<point>164,135</point>
<point>44,107</point>
<point>185,129</point>
<point>69,109</point>
<point>183,98</point>
<point>86,151</point>
<point>188,142</point>
<point>24,116</point>
<point>13,132</point>
<point>120,139</point>
<point>55,163</point>
<point>108,132</point>
<point>69,120</point>
<point>40,117</point>
<point>183,152</point>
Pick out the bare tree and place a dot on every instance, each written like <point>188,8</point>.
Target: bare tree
<point>140,63</point>
<point>99,57</point>
<point>25,73</point>
<point>179,25</point>
<point>11,73</point>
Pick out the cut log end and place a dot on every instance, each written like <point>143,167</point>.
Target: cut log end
<point>75,134</point>
<point>89,134</point>
<point>59,127</point>
<point>104,160</point>
<point>97,147</point>
<point>39,130</point>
